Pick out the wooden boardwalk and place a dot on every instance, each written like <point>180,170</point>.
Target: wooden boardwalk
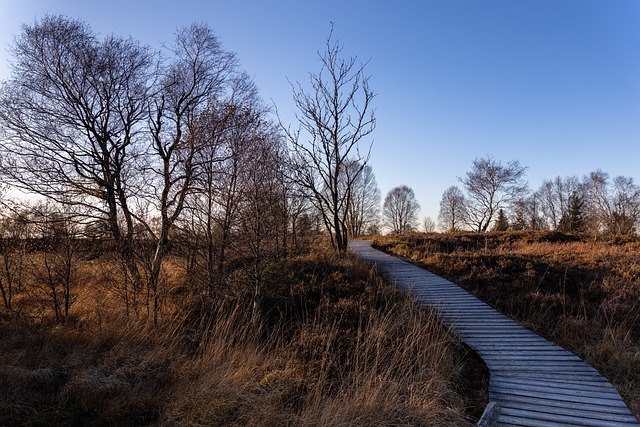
<point>533,381</point>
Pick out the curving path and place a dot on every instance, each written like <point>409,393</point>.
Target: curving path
<point>533,381</point>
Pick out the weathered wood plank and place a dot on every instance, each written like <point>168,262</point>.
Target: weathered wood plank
<point>610,397</point>
<point>558,382</point>
<point>577,418</point>
<point>554,405</point>
<point>552,395</point>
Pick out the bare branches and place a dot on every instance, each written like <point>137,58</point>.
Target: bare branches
<point>400,210</point>
<point>334,116</point>
<point>491,186</point>
<point>364,205</point>
<point>104,124</point>
<point>453,209</point>
<point>615,208</point>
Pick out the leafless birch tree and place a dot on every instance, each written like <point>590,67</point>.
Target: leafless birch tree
<point>201,70</point>
<point>612,208</point>
<point>105,124</point>
<point>74,112</point>
<point>364,204</point>
<point>400,210</point>
<point>491,186</point>
<point>453,209</point>
<point>334,117</point>
<point>554,196</point>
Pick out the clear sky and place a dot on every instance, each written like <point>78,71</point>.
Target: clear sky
<point>554,84</point>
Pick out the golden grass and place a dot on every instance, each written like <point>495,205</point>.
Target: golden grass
<point>334,346</point>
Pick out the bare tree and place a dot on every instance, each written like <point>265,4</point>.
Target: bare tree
<point>201,70</point>
<point>554,195</point>
<point>291,204</point>
<point>335,116</point>
<point>212,127</point>
<point>428,225</point>
<point>73,112</point>
<point>14,232</point>
<point>106,125</point>
<point>61,274</point>
<point>527,213</point>
<point>364,206</point>
<point>400,210</point>
<point>260,205</point>
<point>223,129</point>
<point>626,206</point>
<point>236,145</point>
<point>614,210</point>
<point>453,209</point>
<point>491,186</point>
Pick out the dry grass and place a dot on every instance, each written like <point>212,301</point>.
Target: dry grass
<point>334,346</point>
<point>577,291</point>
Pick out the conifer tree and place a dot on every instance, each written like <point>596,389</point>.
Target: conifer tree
<point>502,223</point>
<point>573,220</point>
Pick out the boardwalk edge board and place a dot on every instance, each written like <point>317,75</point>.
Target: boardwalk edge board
<point>533,382</point>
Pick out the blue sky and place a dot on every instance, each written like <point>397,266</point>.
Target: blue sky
<point>554,84</point>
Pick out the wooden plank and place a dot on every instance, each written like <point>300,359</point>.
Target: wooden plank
<point>526,346</point>
<point>458,310</point>
<point>549,394</point>
<point>518,352</point>
<point>484,324</point>
<point>456,299</point>
<point>501,369</point>
<point>496,337</point>
<point>558,385</point>
<point>482,320</point>
<point>512,338</point>
<point>479,316</point>
<point>531,346</point>
<point>511,421</point>
<point>578,392</point>
<point>594,378</point>
<point>556,405</point>
<point>467,311</point>
<point>539,359</point>
<point>581,419</point>
<point>592,412</point>
<point>507,329</point>
<point>538,353</point>
<point>587,377</point>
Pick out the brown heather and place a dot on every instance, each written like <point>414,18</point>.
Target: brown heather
<point>581,292</point>
<point>334,346</point>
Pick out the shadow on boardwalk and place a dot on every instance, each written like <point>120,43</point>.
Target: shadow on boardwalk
<point>533,381</point>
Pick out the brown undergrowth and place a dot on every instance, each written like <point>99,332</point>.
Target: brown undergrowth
<point>333,345</point>
<point>581,292</point>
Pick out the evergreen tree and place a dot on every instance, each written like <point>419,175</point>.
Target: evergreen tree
<point>501,224</point>
<point>573,219</point>
<point>519,215</point>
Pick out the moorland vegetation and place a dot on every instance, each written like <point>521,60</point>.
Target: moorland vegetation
<point>578,290</point>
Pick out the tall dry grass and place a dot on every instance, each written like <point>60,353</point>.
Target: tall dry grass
<point>333,346</point>
<point>580,292</point>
